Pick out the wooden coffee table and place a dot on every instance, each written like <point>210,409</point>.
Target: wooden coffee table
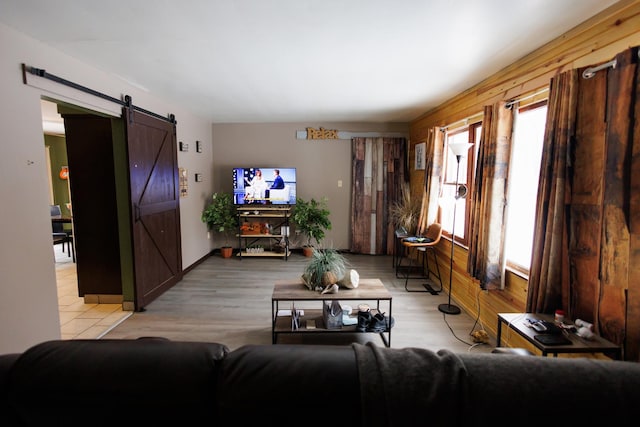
<point>368,291</point>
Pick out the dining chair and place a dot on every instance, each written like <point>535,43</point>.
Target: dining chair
<point>60,235</point>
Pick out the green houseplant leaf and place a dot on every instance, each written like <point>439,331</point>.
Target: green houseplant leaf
<point>312,219</point>
<point>220,215</point>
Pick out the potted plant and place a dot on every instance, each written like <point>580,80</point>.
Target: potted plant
<point>220,215</point>
<point>405,212</point>
<point>326,268</point>
<point>311,218</point>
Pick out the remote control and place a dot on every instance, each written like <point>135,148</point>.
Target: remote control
<point>537,325</point>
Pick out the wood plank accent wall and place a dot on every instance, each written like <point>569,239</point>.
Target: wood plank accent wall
<point>595,41</point>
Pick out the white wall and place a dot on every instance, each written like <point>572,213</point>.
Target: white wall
<point>190,129</point>
<point>28,296</point>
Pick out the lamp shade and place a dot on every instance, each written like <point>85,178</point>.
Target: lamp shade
<point>460,148</point>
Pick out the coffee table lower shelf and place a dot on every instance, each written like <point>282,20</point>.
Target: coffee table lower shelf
<point>282,325</point>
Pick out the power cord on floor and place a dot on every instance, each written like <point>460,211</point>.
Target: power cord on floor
<point>474,346</point>
<point>444,317</point>
<point>471,345</point>
<point>480,336</point>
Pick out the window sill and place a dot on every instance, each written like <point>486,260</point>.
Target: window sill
<point>457,243</point>
<point>518,272</point>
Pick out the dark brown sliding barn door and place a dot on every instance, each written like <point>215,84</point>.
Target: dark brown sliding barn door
<point>155,210</point>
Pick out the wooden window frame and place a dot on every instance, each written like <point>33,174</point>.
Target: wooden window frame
<point>474,132</point>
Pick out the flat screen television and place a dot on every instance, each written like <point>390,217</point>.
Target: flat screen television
<point>264,186</point>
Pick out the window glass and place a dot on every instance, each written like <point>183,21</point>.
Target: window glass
<point>524,171</point>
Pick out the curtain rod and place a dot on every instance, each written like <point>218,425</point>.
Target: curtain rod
<point>464,121</point>
<point>509,104</point>
<point>126,103</point>
<point>591,71</point>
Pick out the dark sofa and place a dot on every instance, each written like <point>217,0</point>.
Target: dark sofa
<point>156,381</point>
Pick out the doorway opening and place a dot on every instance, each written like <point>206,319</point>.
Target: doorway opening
<point>80,317</point>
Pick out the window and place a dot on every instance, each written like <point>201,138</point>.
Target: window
<point>524,171</point>
<point>448,203</point>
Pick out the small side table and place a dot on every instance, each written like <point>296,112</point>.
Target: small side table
<point>518,323</point>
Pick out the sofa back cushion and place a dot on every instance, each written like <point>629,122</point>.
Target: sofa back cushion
<point>110,382</point>
<point>295,384</point>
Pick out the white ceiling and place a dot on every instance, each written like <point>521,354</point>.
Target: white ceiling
<point>237,61</point>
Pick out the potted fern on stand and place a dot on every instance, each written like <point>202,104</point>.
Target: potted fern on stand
<point>220,215</point>
<point>311,218</point>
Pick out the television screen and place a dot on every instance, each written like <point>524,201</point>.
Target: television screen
<point>264,186</point>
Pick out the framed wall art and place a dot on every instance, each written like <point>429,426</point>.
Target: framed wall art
<point>421,156</point>
<point>184,182</point>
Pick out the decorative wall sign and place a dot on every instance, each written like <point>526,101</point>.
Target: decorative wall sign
<point>421,158</point>
<point>184,146</point>
<point>198,146</point>
<point>322,133</point>
<point>198,177</point>
<point>316,134</point>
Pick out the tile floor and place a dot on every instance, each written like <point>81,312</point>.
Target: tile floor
<point>77,319</point>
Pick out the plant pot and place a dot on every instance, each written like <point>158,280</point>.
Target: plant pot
<point>226,251</point>
<point>329,278</point>
<point>307,251</point>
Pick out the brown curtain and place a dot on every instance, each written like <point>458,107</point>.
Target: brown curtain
<point>587,237</point>
<point>433,179</point>
<point>378,171</point>
<point>487,225</point>
<point>549,272</point>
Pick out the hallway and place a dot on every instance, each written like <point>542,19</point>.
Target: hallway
<point>77,319</point>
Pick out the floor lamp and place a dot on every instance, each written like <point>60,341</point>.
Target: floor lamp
<point>458,149</point>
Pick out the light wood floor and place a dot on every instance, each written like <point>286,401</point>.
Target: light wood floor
<point>229,301</point>
<point>77,318</point>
